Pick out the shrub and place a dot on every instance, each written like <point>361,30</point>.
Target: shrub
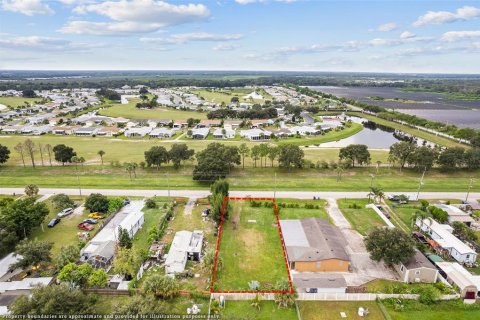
<point>150,204</point>
<point>428,295</point>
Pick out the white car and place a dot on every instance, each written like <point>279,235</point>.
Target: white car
<point>65,212</point>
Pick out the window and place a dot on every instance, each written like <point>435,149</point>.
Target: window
<point>402,268</point>
<point>318,264</point>
<point>468,256</point>
<point>417,272</point>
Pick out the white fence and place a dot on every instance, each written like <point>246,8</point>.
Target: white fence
<point>381,215</point>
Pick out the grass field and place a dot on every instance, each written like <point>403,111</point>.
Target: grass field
<point>131,112</point>
<point>109,177</point>
<point>301,212</point>
<point>225,95</point>
<point>330,310</point>
<point>268,310</point>
<point>65,232</point>
<point>17,101</point>
<point>444,310</point>
<point>250,251</point>
<point>152,219</point>
<point>362,219</point>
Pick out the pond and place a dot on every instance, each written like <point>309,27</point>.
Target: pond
<point>374,136</point>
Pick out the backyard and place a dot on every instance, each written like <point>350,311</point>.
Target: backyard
<point>268,310</point>
<point>444,310</point>
<point>330,310</point>
<point>250,248</point>
<point>362,219</point>
<point>290,209</point>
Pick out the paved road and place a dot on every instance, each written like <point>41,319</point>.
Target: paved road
<point>253,193</point>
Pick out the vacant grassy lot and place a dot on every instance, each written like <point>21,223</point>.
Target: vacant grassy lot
<point>65,232</point>
<point>362,219</point>
<point>131,112</point>
<point>299,209</point>
<point>17,101</point>
<point>268,310</point>
<point>330,310</point>
<point>250,250</point>
<point>225,95</point>
<point>444,310</point>
<point>153,217</point>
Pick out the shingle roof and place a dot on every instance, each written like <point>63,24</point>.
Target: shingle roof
<point>418,261</point>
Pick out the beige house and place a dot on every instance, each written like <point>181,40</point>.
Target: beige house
<point>417,269</point>
<point>314,245</point>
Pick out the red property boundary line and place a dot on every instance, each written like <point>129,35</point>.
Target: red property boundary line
<point>217,249</point>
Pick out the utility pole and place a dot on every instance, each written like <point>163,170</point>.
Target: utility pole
<point>469,188</point>
<point>372,176</point>
<point>420,184</point>
<point>78,180</point>
<point>168,186</point>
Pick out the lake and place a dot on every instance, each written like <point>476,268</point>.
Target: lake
<point>428,105</point>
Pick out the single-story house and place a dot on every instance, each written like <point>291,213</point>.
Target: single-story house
<point>256,134</point>
<point>108,131</point>
<point>65,130</point>
<point>456,214</point>
<point>417,269</point>
<point>314,245</point>
<point>87,131</point>
<point>319,282</point>
<point>464,280</point>
<point>258,123</point>
<point>178,124</point>
<point>133,222</point>
<point>200,133</point>
<point>223,133</point>
<point>162,133</point>
<point>207,123</point>
<point>233,123</point>
<point>185,245</point>
<point>138,132</point>
<point>442,235</point>
<point>12,129</point>
<point>36,131</point>
<point>305,130</point>
<point>99,254</point>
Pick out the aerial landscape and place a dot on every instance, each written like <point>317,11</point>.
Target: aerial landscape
<point>239,159</point>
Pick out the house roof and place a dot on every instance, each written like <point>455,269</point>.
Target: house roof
<point>418,261</point>
<point>313,239</point>
<point>458,274</point>
<point>319,280</point>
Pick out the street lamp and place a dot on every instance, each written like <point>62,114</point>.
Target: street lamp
<point>421,183</point>
<point>372,176</point>
<point>470,185</point>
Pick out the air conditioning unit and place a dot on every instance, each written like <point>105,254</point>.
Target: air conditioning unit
<point>417,280</point>
<point>311,290</point>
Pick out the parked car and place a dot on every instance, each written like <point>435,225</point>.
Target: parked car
<point>90,221</point>
<point>85,226</point>
<point>393,197</point>
<point>95,215</point>
<point>53,222</point>
<point>419,237</point>
<point>65,212</point>
<point>126,201</point>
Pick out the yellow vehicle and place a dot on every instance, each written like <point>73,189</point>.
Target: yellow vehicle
<point>95,215</point>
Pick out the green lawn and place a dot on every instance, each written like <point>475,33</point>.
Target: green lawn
<point>404,212</point>
<point>131,112</point>
<point>268,310</point>
<point>444,310</point>
<point>330,310</point>
<point>301,212</point>
<point>153,217</point>
<point>362,219</point>
<point>65,232</point>
<point>250,251</point>
<point>226,94</point>
<point>16,101</point>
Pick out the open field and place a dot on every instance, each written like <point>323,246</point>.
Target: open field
<point>65,232</point>
<point>330,310</point>
<point>444,310</point>
<point>268,310</point>
<point>301,212</point>
<point>17,101</point>
<point>131,112</point>
<point>250,248</point>
<point>240,179</point>
<point>362,219</point>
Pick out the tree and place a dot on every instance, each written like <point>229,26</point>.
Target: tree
<point>97,202</point>
<point>451,158</point>
<point>40,150</point>
<point>57,300</point>
<point>156,156</point>
<point>472,158</point>
<point>286,297</point>
<point>290,156</point>
<point>422,158</point>
<point>124,240</point>
<point>143,90</point>
<point>356,153</point>
<point>264,149</point>
<point>461,230</point>
<point>255,154</point>
<point>438,214</point>
<point>32,253</point>
<point>273,152</point>
<point>101,153</point>
<point>401,151</point>
<point>63,153</point>
<point>98,279</point>
<point>179,152</point>
<point>393,246</point>
<point>48,147</point>
<point>19,147</point>
<point>191,122</point>
<point>219,191</point>
<point>29,93</point>
<point>127,262</point>
<point>62,201</point>
<point>140,305</point>
<point>160,286</point>
<point>68,253</point>
<point>130,168</point>
<point>208,261</point>
<point>215,162</point>
<point>4,154</point>
<point>244,151</point>
<point>31,190</point>
<point>76,275</point>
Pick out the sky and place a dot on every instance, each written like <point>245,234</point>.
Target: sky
<point>413,36</point>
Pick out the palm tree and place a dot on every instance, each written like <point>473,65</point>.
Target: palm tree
<point>256,301</point>
<point>287,296</point>
<point>48,147</point>
<point>101,153</point>
<point>419,214</point>
<point>215,307</point>
<point>208,261</point>
<point>339,170</point>
<point>378,165</point>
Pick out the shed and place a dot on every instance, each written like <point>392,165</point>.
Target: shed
<point>458,275</point>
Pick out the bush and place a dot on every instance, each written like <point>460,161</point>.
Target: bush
<point>62,201</point>
<point>428,295</point>
<point>150,204</point>
<point>97,202</point>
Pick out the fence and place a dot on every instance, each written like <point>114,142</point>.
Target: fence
<point>242,295</point>
<point>108,292</point>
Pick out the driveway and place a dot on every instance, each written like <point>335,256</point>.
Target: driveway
<point>363,269</point>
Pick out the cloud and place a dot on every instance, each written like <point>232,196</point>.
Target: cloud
<point>387,27</point>
<point>134,16</point>
<point>378,42</point>
<point>27,7</point>
<point>243,2</point>
<point>183,38</point>
<point>459,35</point>
<point>438,17</point>
<point>407,35</point>
<point>36,43</point>
<point>225,47</point>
